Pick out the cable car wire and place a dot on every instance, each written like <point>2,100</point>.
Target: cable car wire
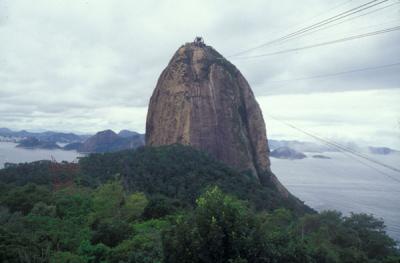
<point>340,73</point>
<point>345,150</point>
<point>383,31</point>
<point>316,25</point>
<point>340,22</point>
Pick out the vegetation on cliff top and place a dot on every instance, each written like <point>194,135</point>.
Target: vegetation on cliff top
<point>168,204</point>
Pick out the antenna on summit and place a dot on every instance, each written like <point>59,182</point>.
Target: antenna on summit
<point>199,41</point>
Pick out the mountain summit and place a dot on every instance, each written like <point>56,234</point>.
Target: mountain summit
<point>202,100</point>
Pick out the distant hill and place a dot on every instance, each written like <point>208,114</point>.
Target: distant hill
<point>73,146</point>
<point>311,147</point>
<point>299,146</point>
<point>103,141</point>
<point>108,141</point>
<point>60,137</point>
<point>381,150</point>
<point>5,131</point>
<point>287,153</point>
<point>127,133</point>
<point>48,140</point>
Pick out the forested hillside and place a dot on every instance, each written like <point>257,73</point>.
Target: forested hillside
<point>169,204</point>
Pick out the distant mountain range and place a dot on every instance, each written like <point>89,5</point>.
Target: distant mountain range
<point>311,147</point>
<point>300,146</point>
<point>103,141</point>
<point>108,141</point>
<point>47,136</point>
<point>381,150</point>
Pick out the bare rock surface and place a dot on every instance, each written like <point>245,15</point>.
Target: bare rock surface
<point>203,100</point>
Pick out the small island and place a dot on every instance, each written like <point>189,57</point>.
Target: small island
<point>34,143</point>
<point>320,156</point>
<point>287,153</point>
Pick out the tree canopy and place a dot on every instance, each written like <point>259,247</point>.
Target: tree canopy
<point>169,204</point>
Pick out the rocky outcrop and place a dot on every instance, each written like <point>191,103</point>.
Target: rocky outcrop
<point>203,100</point>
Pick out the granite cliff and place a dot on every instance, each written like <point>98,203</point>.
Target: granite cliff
<point>203,100</point>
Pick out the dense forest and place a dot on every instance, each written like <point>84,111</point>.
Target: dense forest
<point>169,204</point>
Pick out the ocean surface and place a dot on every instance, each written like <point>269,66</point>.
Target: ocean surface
<point>339,183</point>
<point>344,184</point>
<point>12,154</point>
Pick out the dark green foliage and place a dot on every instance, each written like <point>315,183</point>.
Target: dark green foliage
<point>23,198</point>
<point>66,257</point>
<point>371,235</point>
<point>73,204</point>
<point>169,204</point>
<point>183,173</point>
<point>40,173</point>
<point>224,229</point>
<point>21,174</point>
<point>160,206</point>
<point>177,172</point>
<point>110,233</point>
<point>220,230</point>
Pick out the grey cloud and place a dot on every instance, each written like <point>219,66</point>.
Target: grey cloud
<point>72,62</point>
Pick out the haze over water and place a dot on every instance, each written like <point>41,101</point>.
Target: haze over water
<point>12,154</point>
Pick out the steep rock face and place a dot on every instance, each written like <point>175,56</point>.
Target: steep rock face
<point>202,100</point>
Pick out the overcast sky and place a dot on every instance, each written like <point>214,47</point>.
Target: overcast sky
<point>86,66</point>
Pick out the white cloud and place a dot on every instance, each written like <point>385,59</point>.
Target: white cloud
<point>91,65</point>
<point>371,116</point>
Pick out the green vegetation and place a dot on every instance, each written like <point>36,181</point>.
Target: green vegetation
<point>169,204</point>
